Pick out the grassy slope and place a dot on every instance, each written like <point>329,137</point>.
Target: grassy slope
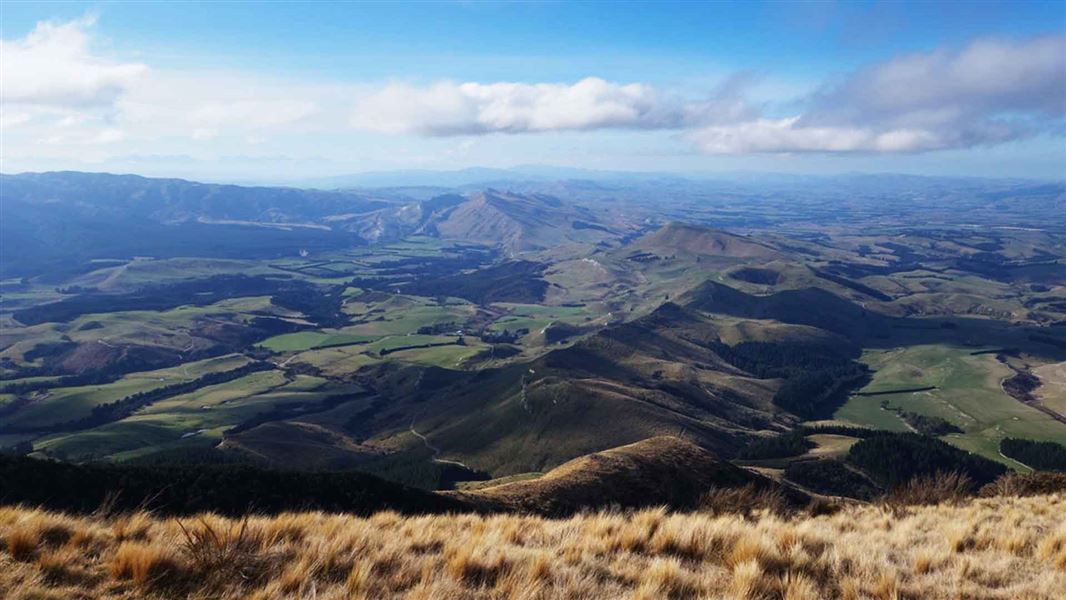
<point>992,548</point>
<point>306,340</point>
<point>968,394</point>
<point>601,393</point>
<point>174,329</point>
<point>1052,391</point>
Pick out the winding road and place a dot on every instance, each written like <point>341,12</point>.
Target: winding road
<point>436,451</point>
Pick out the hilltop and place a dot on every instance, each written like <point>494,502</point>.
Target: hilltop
<point>519,222</point>
<point>696,240</point>
<point>661,471</point>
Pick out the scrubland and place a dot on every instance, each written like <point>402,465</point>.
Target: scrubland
<point>1001,547</point>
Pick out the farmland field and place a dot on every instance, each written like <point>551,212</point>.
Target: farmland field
<point>63,404</point>
<point>968,394</point>
<point>1052,391</point>
<point>306,340</point>
<point>195,419</point>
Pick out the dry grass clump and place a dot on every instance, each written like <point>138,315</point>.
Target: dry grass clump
<point>222,548</point>
<point>745,499</point>
<point>994,548</point>
<point>144,564</point>
<point>22,543</point>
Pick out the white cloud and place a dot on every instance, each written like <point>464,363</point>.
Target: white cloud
<point>783,135</point>
<point>54,66</point>
<point>62,97</point>
<point>11,119</point>
<point>985,75</point>
<point>448,108</point>
<point>988,92</point>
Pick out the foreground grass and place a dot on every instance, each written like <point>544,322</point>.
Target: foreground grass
<point>990,548</point>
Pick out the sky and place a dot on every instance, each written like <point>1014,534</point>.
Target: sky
<point>275,92</point>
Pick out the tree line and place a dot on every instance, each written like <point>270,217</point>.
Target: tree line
<point>1042,456</point>
<point>234,489</point>
<point>817,376</point>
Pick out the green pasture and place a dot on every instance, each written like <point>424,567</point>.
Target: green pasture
<point>197,418</point>
<point>337,361</point>
<point>447,357</point>
<point>306,340</point>
<point>967,394</point>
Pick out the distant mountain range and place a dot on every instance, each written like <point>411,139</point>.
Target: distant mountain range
<point>483,176</point>
<point>69,218</point>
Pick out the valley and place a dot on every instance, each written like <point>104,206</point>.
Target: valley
<point>699,300</point>
<point>513,331</point>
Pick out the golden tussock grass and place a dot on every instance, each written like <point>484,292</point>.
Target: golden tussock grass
<point>989,548</point>
<point>144,564</point>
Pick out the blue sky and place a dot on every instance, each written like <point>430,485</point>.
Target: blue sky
<point>276,91</point>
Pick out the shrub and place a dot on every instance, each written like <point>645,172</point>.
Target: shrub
<point>816,393</point>
<point>817,376</point>
<point>183,489</point>
<point>845,430</point>
<point>939,488</point>
<point>929,425</point>
<point>22,543</point>
<point>744,500</point>
<point>470,566</point>
<point>222,550</point>
<point>60,565</point>
<point>1038,483</point>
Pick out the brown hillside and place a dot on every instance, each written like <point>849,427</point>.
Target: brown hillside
<point>660,471</point>
<point>519,222</point>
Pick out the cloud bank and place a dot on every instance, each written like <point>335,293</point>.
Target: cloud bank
<point>59,91</point>
<point>988,92</point>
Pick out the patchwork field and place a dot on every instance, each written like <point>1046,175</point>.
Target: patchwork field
<point>197,419</point>
<point>968,394</point>
<point>62,404</point>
